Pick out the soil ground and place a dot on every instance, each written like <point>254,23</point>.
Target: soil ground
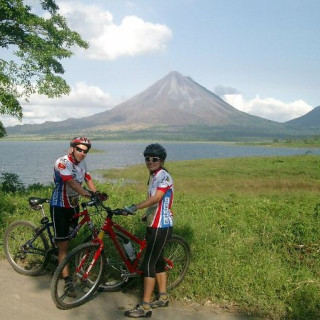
<point>24,297</point>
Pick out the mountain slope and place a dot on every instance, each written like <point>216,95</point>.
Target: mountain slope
<point>307,121</point>
<point>174,101</point>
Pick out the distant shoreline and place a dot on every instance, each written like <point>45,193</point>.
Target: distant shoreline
<point>292,143</point>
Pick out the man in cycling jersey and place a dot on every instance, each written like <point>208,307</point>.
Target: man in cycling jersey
<point>70,171</point>
<point>159,219</point>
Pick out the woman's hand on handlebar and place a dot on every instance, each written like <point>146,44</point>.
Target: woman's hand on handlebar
<point>129,210</point>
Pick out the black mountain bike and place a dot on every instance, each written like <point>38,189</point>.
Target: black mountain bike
<point>29,248</point>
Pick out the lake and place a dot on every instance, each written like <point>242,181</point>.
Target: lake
<point>33,161</point>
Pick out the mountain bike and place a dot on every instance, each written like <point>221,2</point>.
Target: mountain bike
<point>29,248</point>
<point>106,264</point>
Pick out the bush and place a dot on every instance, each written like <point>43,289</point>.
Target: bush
<point>11,183</point>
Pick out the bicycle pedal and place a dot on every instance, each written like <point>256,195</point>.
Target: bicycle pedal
<point>127,276</point>
<point>124,276</point>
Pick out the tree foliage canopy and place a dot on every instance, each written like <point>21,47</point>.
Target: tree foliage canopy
<point>37,43</point>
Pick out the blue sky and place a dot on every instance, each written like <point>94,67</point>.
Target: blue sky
<point>260,56</point>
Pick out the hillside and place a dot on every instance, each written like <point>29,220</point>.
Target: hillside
<point>173,100</point>
<point>175,107</point>
<point>309,120</point>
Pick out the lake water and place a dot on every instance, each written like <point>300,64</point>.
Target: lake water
<point>33,161</point>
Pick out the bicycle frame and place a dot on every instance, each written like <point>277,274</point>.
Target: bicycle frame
<point>132,266</point>
<point>48,225</point>
<point>86,219</point>
<point>114,231</point>
<point>28,246</point>
<point>108,228</point>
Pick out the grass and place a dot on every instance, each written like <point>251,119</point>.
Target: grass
<point>253,225</point>
<point>306,142</point>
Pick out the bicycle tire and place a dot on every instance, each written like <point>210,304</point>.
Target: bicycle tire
<point>178,251</point>
<point>112,279</point>
<point>84,288</point>
<point>31,259</point>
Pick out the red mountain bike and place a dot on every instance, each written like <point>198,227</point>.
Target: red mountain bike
<point>107,263</point>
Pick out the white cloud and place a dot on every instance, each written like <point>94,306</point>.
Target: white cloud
<point>268,108</point>
<point>83,101</point>
<point>108,40</point>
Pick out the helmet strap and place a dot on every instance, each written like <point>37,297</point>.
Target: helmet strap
<point>73,157</point>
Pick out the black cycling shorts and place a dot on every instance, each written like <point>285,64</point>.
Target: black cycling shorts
<point>63,221</point>
<point>153,261</point>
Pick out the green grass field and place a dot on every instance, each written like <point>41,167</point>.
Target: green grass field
<point>253,225</point>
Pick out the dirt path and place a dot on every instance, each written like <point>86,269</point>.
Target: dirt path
<point>25,297</point>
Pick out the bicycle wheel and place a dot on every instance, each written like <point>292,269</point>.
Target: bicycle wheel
<point>177,251</point>
<point>25,252</point>
<point>80,262</point>
<point>114,277</point>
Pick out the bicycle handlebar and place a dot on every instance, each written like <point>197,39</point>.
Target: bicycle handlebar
<point>96,199</point>
<point>117,212</point>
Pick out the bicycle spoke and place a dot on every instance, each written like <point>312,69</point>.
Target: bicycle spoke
<point>113,279</point>
<point>24,248</point>
<point>84,273</point>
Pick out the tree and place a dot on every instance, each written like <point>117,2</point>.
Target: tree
<point>11,183</point>
<point>38,44</point>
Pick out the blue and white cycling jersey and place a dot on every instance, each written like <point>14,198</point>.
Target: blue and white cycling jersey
<point>160,215</point>
<point>66,169</point>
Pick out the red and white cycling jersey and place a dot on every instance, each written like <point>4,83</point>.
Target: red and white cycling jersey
<point>66,169</point>
<point>160,215</point>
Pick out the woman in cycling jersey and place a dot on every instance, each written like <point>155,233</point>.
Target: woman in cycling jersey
<point>159,229</point>
<point>70,171</point>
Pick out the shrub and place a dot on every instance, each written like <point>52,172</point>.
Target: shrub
<point>11,183</point>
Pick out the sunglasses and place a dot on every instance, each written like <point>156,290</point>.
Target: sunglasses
<point>81,150</point>
<point>153,159</point>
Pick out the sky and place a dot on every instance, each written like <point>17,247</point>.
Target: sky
<point>260,56</point>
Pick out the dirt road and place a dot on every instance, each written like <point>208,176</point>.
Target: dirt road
<point>25,297</point>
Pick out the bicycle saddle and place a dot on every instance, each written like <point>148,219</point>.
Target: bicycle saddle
<point>35,202</point>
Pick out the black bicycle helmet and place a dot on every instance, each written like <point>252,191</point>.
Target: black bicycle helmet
<point>155,150</point>
<point>80,140</point>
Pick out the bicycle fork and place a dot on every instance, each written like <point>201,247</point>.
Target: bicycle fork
<point>92,263</point>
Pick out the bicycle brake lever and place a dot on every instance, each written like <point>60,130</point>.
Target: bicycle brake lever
<point>119,212</point>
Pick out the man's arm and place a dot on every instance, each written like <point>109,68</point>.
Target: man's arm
<point>76,186</point>
<point>91,185</point>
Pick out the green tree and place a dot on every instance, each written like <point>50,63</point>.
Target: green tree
<point>10,182</point>
<point>38,44</point>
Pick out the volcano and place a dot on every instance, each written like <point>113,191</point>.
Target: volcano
<point>175,103</point>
